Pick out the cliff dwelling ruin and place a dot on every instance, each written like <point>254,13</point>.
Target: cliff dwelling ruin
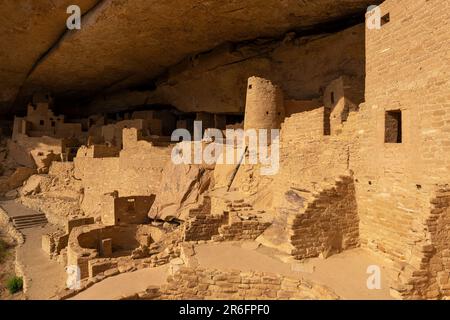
<point>226,149</point>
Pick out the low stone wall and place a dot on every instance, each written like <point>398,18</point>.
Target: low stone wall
<point>78,222</point>
<point>202,225</point>
<point>54,242</point>
<point>207,284</point>
<point>244,222</point>
<point>241,229</point>
<point>236,221</point>
<point>100,268</point>
<point>86,243</point>
<point>126,245</point>
<point>97,266</point>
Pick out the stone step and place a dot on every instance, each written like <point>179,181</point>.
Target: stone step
<point>26,226</point>
<point>15,220</point>
<point>28,216</point>
<point>29,221</point>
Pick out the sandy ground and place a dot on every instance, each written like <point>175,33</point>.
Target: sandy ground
<point>124,284</point>
<point>45,276</point>
<point>345,273</point>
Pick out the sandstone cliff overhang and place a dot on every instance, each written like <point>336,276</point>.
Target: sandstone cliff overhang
<point>128,43</point>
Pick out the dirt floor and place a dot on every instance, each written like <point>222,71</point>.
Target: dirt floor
<point>45,276</point>
<point>125,284</point>
<point>345,273</point>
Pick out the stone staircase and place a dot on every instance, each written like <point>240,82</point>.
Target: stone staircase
<point>29,221</point>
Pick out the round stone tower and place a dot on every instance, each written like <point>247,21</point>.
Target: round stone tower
<point>264,108</point>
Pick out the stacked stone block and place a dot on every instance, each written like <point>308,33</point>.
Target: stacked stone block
<point>329,224</point>
<point>244,223</point>
<point>201,283</point>
<point>405,73</point>
<point>202,225</point>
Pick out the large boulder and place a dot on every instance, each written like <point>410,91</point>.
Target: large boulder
<point>19,176</point>
<point>35,184</point>
<point>16,179</point>
<point>181,187</point>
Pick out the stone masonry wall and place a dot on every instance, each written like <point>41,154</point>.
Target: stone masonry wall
<point>395,182</point>
<point>136,172</point>
<point>241,229</point>
<point>303,126</point>
<point>202,225</point>
<point>226,221</point>
<point>329,224</point>
<point>201,283</point>
<point>431,279</point>
<point>310,164</point>
<point>438,252</point>
<point>244,223</point>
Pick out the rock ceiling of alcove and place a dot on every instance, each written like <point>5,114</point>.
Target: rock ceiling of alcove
<point>123,43</point>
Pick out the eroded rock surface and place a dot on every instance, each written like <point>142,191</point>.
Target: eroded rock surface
<point>28,29</point>
<point>127,43</point>
<point>178,195</point>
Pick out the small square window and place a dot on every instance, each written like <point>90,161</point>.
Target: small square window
<point>385,19</point>
<point>41,122</point>
<point>393,126</point>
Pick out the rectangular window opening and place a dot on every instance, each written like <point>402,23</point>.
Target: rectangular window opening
<point>327,122</point>
<point>385,19</point>
<point>393,127</point>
